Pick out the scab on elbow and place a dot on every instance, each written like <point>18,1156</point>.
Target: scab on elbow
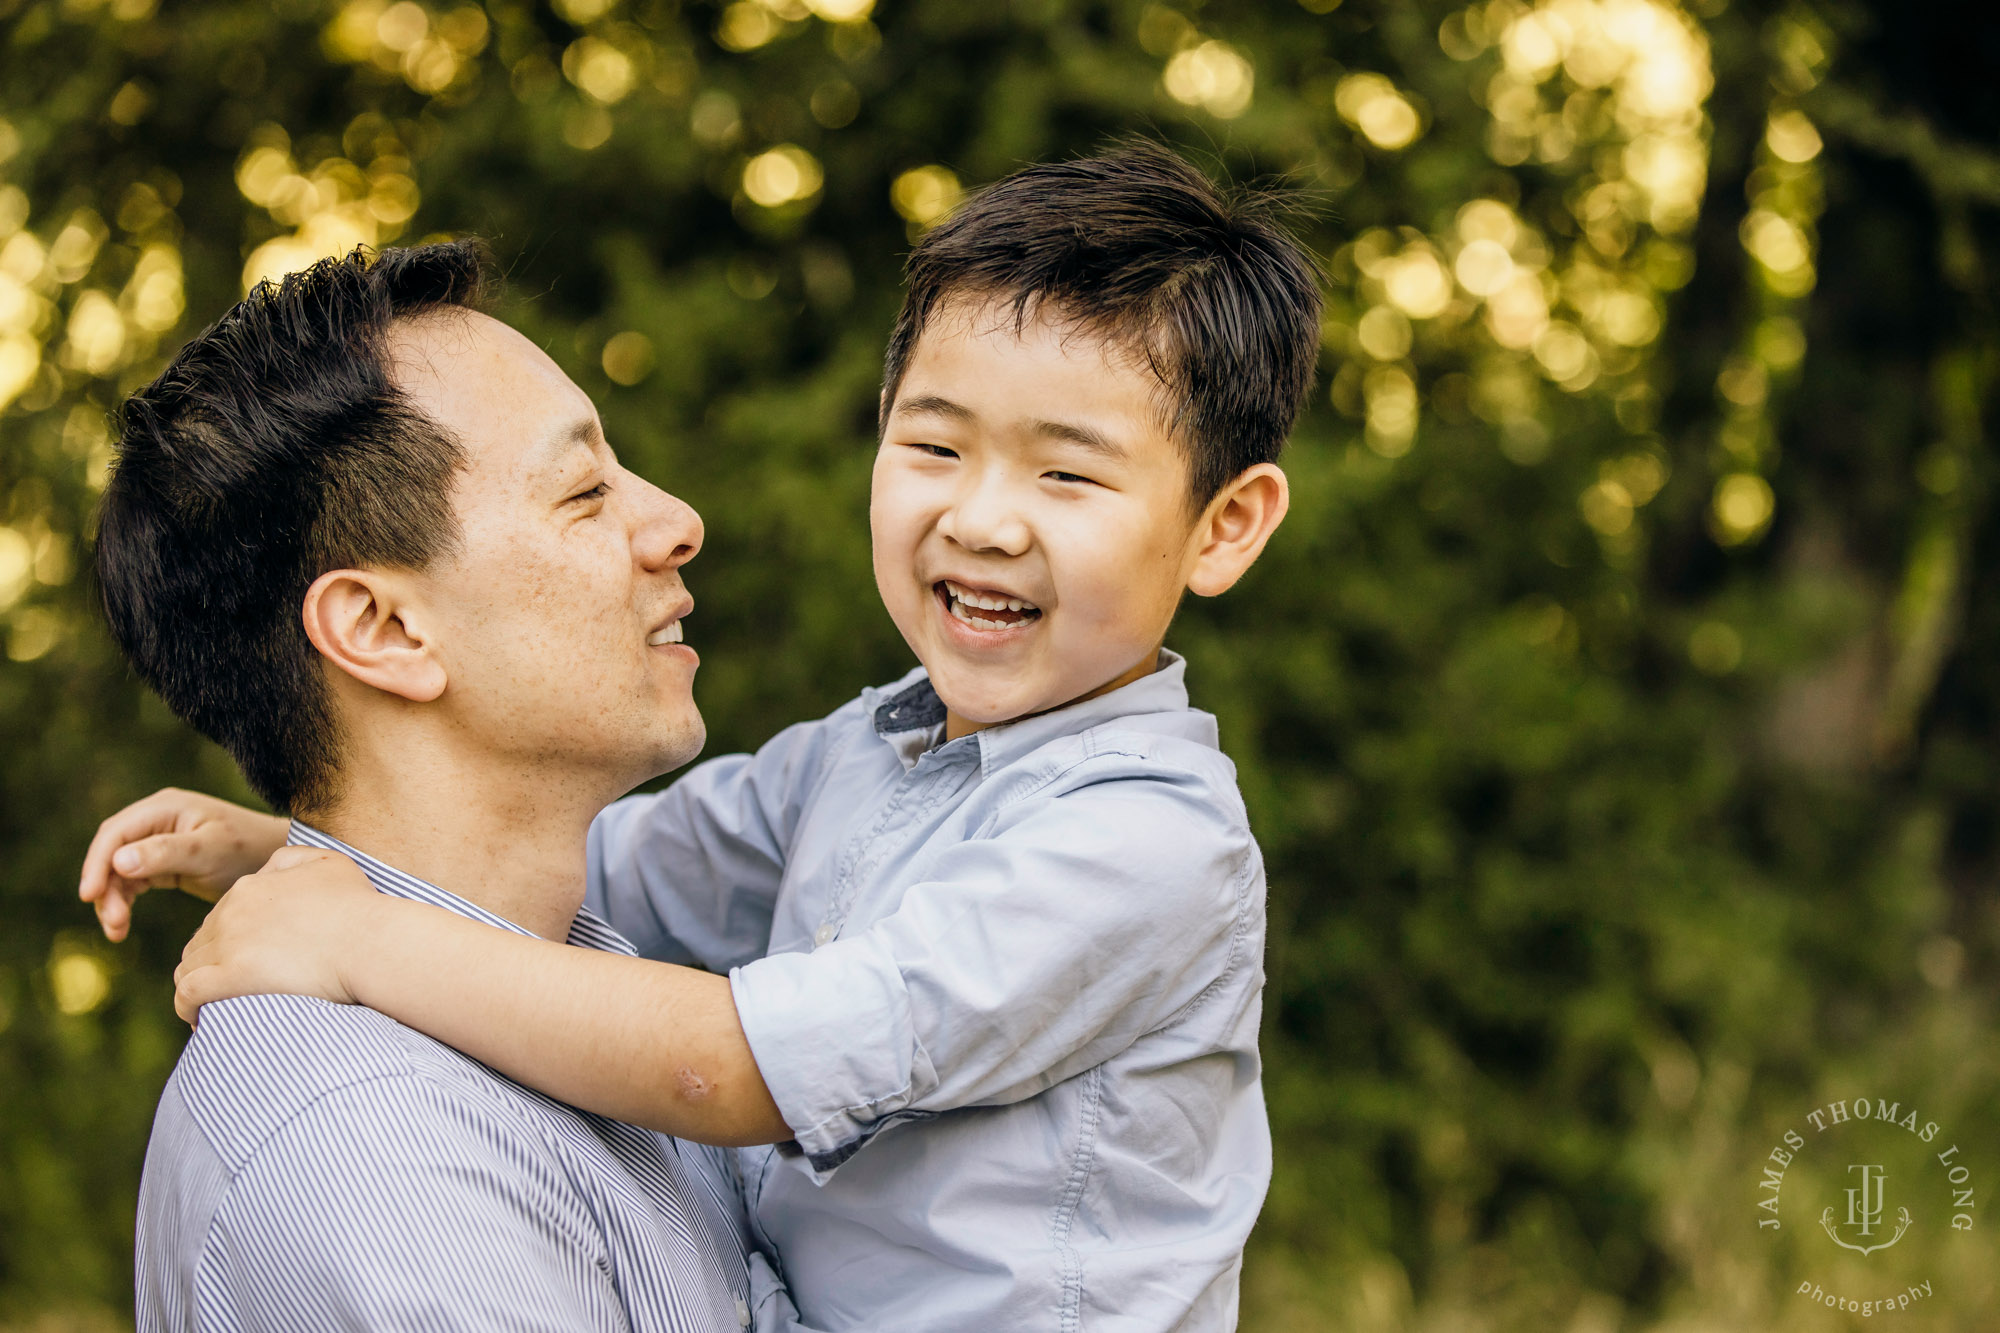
<point>690,1086</point>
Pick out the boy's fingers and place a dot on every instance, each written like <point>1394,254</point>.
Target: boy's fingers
<point>200,953</point>
<point>114,910</point>
<point>287,858</point>
<point>163,860</point>
<point>137,820</point>
<point>188,997</point>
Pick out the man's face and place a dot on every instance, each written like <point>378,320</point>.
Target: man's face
<point>1030,514</point>
<point>557,618</point>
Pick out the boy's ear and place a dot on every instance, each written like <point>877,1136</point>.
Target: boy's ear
<point>364,622</point>
<point>1234,527</point>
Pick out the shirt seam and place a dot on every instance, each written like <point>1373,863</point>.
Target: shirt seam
<point>1069,1310</point>
<point>1100,747</point>
<point>842,742</point>
<point>1239,885</point>
<point>1056,775</point>
<point>848,881</point>
<point>860,1130</point>
<point>215,1217</point>
<point>1240,927</point>
<point>263,1140</point>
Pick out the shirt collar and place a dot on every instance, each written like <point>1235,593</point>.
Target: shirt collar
<point>587,931</point>
<point>909,716</point>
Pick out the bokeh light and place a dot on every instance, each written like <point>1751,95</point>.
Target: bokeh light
<point>923,195</point>
<point>1371,104</point>
<point>1214,76</point>
<point>782,175</point>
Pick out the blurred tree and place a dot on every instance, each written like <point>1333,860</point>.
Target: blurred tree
<point>1615,709</point>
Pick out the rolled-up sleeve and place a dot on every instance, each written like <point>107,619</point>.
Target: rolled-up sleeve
<point>1083,918</point>
<point>690,875</point>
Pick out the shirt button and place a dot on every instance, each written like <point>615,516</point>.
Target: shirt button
<point>742,1313</point>
<point>823,935</point>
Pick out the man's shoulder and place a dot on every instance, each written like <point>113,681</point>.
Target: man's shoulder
<point>258,1062</point>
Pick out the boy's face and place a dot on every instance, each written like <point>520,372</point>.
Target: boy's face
<point>1030,512</point>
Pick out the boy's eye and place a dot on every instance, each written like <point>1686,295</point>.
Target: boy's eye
<point>934,450</point>
<point>1069,476</point>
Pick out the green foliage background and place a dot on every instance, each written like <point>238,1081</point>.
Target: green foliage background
<point>1618,708</point>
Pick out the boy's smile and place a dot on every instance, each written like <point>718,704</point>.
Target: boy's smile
<point>1032,529</point>
<point>988,610</point>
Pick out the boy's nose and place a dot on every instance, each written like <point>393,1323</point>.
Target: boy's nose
<point>984,519</point>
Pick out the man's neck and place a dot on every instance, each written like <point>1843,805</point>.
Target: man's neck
<point>507,843</point>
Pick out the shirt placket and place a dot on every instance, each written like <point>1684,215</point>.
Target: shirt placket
<point>929,781</point>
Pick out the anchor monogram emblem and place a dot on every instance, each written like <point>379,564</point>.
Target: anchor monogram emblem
<point>1864,1213</point>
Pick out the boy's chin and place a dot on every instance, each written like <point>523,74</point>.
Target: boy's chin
<point>984,708</point>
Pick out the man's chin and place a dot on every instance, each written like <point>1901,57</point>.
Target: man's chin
<point>671,751</point>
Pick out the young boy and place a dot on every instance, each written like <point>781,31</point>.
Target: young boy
<point>994,932</point>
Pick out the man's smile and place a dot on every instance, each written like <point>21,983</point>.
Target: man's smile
<point>667,637</point>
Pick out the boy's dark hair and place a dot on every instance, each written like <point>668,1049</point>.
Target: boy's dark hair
<point>274,448</point>
<point>1140,247</point>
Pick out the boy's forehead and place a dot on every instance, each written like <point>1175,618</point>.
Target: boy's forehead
<point>1032,359</point>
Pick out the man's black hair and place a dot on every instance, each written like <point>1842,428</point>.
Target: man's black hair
<point>272,449</point>
<point>1140,247</point>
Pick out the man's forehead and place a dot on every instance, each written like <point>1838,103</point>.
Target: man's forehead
<point>482,380</point>
<point>448,344</point>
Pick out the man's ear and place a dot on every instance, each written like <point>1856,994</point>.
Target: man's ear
<point>363,622</point>
<point>1234,527</point>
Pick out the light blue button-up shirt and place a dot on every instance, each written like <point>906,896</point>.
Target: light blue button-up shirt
<point>1005,991</point>
<point>319,1167</point>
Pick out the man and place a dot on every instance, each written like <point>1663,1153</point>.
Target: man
<point>374,543</point>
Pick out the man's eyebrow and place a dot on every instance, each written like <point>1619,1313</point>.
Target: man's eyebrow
<point>1082,436</point>
<point>564,442</point>
<point>931,405</point>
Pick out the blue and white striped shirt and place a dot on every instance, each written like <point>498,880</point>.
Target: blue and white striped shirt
<point>318,1167</point>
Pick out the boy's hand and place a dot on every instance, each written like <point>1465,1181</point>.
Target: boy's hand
<point>281,931</point>
<point>173,839</point>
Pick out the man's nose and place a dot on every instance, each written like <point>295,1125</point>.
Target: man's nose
<point>985,517</point>
<point>666,532</point>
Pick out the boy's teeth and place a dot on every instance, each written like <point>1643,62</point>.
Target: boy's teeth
<point>969,616</point>
<point>984,602</point>
<point>671,634</point>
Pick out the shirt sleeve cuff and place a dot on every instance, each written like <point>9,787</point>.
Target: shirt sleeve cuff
<point>832,1035</point>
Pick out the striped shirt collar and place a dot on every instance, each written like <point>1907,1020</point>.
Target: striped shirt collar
<point>587,931</point>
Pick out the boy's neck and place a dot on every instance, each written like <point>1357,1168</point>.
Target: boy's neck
<point>956,726</point>
<point>512,847</point>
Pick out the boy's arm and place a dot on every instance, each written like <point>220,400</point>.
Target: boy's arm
<point>650,1043</point>
<point>690,874</point>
